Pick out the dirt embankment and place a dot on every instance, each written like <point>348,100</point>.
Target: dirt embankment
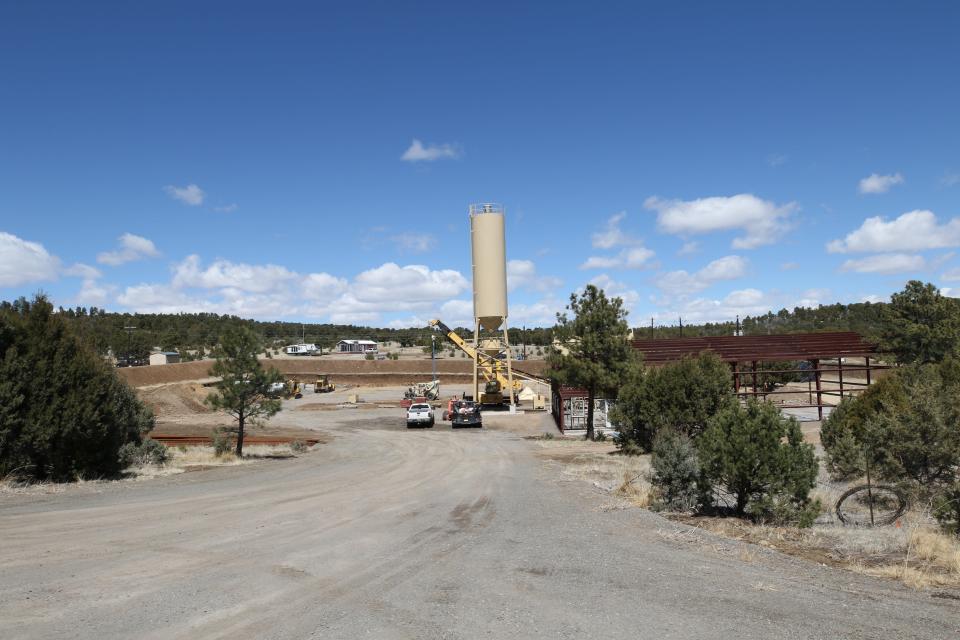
<point>366,372</point>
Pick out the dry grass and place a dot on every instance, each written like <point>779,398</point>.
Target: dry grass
<point>203,457</point>
<point>913,552</point>
<point>180,460</point>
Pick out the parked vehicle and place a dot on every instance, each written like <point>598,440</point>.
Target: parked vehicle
<point>420,415</point>
<point>466,413</point>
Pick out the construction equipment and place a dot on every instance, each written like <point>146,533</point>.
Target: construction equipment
<point>426,390</point>
<point>323,384</point>
<point>291,389</point>
<point>493,369</point>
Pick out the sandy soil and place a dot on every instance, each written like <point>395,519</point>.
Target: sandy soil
<point>386,532</point>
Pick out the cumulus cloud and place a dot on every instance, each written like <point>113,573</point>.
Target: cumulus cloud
<point>682,283</point>
<point>522,274</point>
<point>762,221</point>
<point>132,247</point>
<point>689,248</point>
<point>418,152</point>
<point>615,289</point>
<point>633,258</point>
<point>876,183</point>
<point>885,263</point>
<point>912,231</point>
<point>191,194</point>
<point>323,287</point>
<point>22,261</point>
<point>740,302</point>
<point>223,274</point>
<point>391,283</point>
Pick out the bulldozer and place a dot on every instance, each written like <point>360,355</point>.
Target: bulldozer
<point>323,385</point>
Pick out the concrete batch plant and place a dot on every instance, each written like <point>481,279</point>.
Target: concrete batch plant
<point>490,337</point>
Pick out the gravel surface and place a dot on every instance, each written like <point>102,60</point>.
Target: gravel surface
<point>390,533</point>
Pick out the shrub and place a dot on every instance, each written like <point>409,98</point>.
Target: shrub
<point>63,411</point>
<point>683,395</point>
<point>676,470</point>
<point>298,446</point>
<point>138,455</point>
<point>946,508</point>
<point>221,443</point>
<point>368,356</point>
<point>758,458</point>
<point>905,427</point>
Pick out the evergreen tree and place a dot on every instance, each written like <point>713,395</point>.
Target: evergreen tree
<point>244,389</point>
<point>595,354</point>
<point>922,325</point>
<point>64,413</point>
<point>758,457</point>
<point>681,395</point>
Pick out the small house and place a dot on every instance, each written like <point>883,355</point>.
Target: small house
<point>361,347</point>
<point>165,357</point>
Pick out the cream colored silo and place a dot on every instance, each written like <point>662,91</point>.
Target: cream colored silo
<point>492,350</point>
<point>489,265</point>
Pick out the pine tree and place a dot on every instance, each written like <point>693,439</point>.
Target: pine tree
<point>244,388</point>
<point>758,457</point>
<point>597,354</point>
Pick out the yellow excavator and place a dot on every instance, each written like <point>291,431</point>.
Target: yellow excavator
<point>492,369</point>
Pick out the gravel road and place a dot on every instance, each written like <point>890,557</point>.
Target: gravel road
<point>389,533</point>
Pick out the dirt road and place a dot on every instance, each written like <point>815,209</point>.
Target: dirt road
<point>389,533</point>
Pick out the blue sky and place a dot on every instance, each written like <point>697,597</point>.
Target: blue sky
<point>315,161</point>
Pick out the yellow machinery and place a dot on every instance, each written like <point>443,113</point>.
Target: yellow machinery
<point>492,369</point>
<point>323,384</point>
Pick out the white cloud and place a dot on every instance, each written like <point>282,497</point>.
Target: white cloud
<point>762,221</point>
<point>410,242</point>
<point>411,284</point>
<point>912,231</point>
<point>872,298</point>
<point>952,275</point>
<point>418,152</point>
<point>132,247</point>
<point>683,283</point>
<point>223,274</point>
<point>614,289</point>
<point>689,248</point>
<point>789,266</point>
<point>876,183</point>
<point>190,195</point>
<point>611,235</point>
<point>22,261</point>
<point>633,258</point>
<point>323,287</point>
<point>229,208</point>
<point>80,270</point>
<point>270,291</point>
<point>885,263</point>
<point>522,274</point>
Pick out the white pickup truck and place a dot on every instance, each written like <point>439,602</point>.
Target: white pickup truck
<point>420,415</point>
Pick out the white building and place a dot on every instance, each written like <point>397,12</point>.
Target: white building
<point>165,357</point>
<point>301,349</point>
<point>357,346</point>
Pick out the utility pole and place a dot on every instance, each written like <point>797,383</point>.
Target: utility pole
<point>681,326</point>
<point>651,328</point>
<point>129,330</point>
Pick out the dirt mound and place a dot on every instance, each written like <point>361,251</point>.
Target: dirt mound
<point>364,372</point>
<point>176,399</point>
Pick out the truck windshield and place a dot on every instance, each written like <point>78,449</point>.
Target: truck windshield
<point>420,407</point>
